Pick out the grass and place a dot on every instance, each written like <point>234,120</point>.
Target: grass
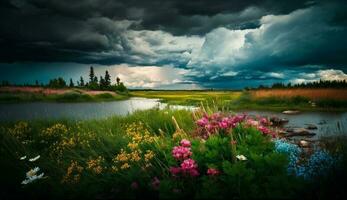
<point>87,159</point>
<point>271,99</point>
<point>74,96</point>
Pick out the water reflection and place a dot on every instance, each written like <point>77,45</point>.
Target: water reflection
<point>84,110</point>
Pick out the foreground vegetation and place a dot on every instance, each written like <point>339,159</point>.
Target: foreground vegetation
<point>166,154</point>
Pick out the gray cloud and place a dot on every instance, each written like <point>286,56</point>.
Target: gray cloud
<point>218,42</point>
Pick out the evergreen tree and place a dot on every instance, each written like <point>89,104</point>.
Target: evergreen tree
<point>102,83</point>
<point>81,82</point>
<point>107,79</point>
<point>91,75</point>
<point>36,83</point>
<point>71,83</point>
<point>118,81</point>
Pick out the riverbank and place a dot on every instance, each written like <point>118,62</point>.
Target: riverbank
<point>270,99</point>
<point>163,153</point>
<point>34,94</point>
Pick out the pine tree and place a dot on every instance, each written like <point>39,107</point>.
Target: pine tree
<point>102,82</point>
<point>107,79</point>
<point>71,83</point>
<point>81,82</point>
<point>118,80</point>
<point>91,75</point>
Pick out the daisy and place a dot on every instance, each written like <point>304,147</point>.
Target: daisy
<point>34,159</point>
<point>241,157</point>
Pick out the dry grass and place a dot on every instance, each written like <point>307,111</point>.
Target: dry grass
<point>49,91</point>
<point>313,94</point>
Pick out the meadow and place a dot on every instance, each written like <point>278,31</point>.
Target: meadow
<point>32,94</point>
<point>164,154</point>
<point>262,99</point>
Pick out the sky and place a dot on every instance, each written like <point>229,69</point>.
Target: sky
<point>174,44</point>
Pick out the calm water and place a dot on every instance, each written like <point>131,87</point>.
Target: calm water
<point>85,110</point>
<point>328,123</point>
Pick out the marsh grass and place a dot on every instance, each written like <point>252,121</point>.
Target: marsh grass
<point>73,96</point>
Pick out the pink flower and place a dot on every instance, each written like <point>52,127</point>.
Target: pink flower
<point>264,130</point>
<point>252,122</point>
<point>188,164</point>
<point>175,171</point>
<point>181,153</point>
<point>189,167</point>
<point>213,172</point>
<point>202,122</point>
<point>134,185</point>
<point>264,121</point>
<point>155,183</point>
<point>185,143</point>
<point>224,123</point>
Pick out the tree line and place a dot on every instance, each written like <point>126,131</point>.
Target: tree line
<point>94,83</point>
<point>314,84</point>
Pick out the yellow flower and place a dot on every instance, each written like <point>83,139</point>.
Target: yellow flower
<point>95,165</point>
<point>20,130</point>
<point>149,155</point>
<point>73,173</point>
<point>134,156</point>
<point>125,166</point>
<point>122,156</point>
<point>133,145</point>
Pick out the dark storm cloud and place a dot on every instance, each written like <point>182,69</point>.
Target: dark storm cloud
<point>218,41</point>
<point>64,30</point>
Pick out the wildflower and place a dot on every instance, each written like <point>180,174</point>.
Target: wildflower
<point>202,122</point>
<point>213,172</point>
<point>185,143</point>
<point>125,166</point>
<point>266,131</point>
<point>134,185</point>
<point>180,153</point>
<point>32,176</point>
<point>223,124</point>
<point>23,157</point>
<point>95,165</point>
<point>73,173</point>
<point>175,171</point>
<point>155,183</point>
<point>241,157</point>
<point>189,167</point>
<point>149,155</point>
<point>34,159</point>
<point>252,122</point>
<point>135,156</point>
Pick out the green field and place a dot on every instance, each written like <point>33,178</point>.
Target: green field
<point>239,100</point>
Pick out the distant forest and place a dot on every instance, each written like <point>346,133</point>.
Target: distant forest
<point>315,84</point>
<point>94,83</point>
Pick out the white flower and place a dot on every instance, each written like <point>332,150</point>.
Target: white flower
<point>241,157</point>
<point>34,159</point>
<point>23,158</point>
<point>32,176</point>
